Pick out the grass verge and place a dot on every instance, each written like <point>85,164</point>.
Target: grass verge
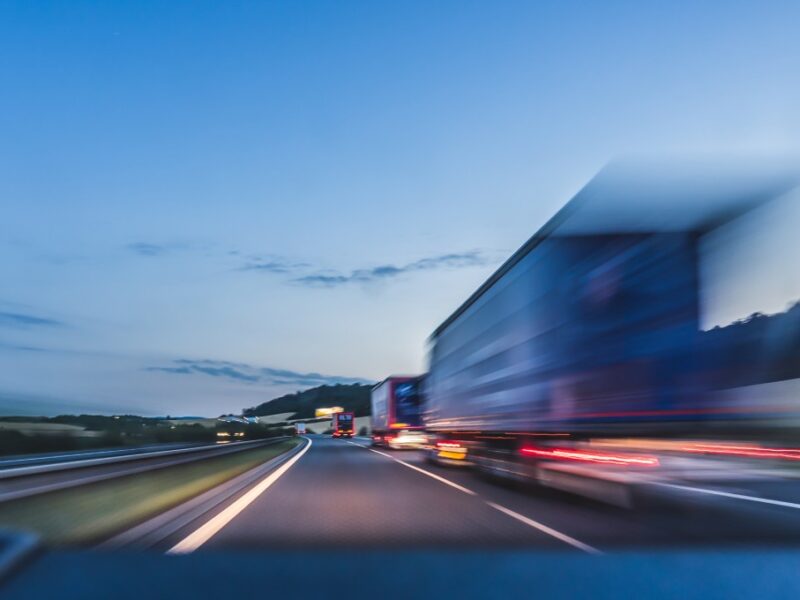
<point>90,513</point>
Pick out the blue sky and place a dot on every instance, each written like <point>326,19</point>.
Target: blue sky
<point>208,204</point>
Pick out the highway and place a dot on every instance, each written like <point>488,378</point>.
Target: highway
<point>342,493</point>
<point>339,510</point>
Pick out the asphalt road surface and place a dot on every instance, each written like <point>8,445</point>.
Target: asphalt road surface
<point>343,493</point>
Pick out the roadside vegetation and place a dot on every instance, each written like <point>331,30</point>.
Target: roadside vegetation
<point>91,513</point>
<point>64,433</point>
<point>31,435</point>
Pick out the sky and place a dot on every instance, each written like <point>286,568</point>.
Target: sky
<point>208,204</point>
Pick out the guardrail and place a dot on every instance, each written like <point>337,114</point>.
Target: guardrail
<point>30,460</point>
<point>183,455</point>
<point>91,462</point>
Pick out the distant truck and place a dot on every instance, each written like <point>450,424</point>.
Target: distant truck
<point>300,428</point>
<point>342,424</point>
<point>396,412</point>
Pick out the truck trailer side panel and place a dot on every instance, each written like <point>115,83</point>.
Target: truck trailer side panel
<point>380,405</point>
<point>582,333</point>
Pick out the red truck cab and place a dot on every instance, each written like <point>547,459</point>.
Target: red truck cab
<point>343,424</point>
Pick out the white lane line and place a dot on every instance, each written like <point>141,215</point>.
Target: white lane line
<point>731,495</point>
<point>201,535</point>
<point>460,488</point>
<point>521,518</point>
<point>545,529</point>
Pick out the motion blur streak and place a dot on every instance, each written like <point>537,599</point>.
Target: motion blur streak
<point>748,451</point>
<point>592,457</point>
<point>199,537</point>
<point>660,307</point>
<point>731,495</point>
<point>732,448</point>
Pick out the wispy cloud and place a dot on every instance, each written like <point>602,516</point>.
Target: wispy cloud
<point>241,372</point>
<point>472,258</point>
<point>264,263</point>
<point>18,320</point>
<point>147,249</point>
<point>5,346</point>
<point>275,265</point>
<point>174,370</point>
<point>168,248</point>
<point>303,273</point>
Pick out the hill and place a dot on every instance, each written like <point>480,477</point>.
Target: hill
<point>758,349</point>
<point>354,397</point>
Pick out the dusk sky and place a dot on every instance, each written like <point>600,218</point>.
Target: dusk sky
<point>206,205</point>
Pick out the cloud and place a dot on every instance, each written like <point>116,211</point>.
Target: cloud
<point>305,274</point>
<point>21,348</point>
<point>26,321</point>
<point>278,266</point>
<point>202,248</point>
<point>146,249</point>
<point>228,372</point>
<point>473,258</point>
<point>323,280</point>
<point>176,370</point>
<point>241,372</point>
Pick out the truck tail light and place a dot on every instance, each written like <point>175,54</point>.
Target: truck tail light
<point>451,450</point>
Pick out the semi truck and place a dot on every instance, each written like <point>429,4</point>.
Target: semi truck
<point>613,322</point>
<point>396,412</point>
<point>342,424</point>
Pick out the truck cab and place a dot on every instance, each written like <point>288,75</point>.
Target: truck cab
<point>343,424</point>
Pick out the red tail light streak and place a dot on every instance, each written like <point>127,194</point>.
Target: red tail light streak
<point>591,457</point>
<point>744,451</point>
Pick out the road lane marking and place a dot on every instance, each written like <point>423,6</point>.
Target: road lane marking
<point>545,529</point>
<point>731,495</point>
<point>200,536</point>
<point>460,488</point>
<point>506,511</point>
